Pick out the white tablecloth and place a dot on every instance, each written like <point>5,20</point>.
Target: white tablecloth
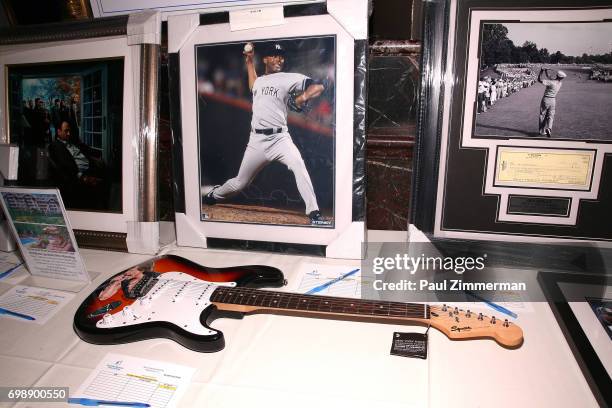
<point>277,361</point>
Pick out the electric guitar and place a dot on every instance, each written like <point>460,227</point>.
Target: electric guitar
<point>171,297</point>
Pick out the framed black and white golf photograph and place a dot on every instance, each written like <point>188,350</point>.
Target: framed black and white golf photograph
<point>266,120</point>
<point>266,129</point>
<point>72,106</point>
<point>545,79</point>
<point>523,121</point>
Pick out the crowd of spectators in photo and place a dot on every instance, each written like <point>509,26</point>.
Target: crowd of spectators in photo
<point>509,79</point>
<point>503,80</point>
<point>601,72</point>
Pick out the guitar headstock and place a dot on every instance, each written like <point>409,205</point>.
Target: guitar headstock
<point>457,323</point>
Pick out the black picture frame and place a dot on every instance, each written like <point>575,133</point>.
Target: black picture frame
<point>454,189</point>
<point>592,368</point>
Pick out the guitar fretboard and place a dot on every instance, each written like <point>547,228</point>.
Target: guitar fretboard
<point>312,303</point>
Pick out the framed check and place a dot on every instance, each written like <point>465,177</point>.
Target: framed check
<point>515,135</point>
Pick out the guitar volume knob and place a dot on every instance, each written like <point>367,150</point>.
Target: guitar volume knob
<point>127,312</point>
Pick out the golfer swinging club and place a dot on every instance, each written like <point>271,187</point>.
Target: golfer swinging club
<point>548,104</point>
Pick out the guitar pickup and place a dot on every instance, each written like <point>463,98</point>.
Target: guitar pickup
<point>142,287</point>
<point>227,284</point>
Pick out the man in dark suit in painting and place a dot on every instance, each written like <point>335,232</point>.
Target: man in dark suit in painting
<point>56,117</point>
<point>74,115</point>
<point>77,171</point>
<point>40,123</point>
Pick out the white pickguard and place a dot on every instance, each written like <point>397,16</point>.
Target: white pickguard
<point>177,297</point>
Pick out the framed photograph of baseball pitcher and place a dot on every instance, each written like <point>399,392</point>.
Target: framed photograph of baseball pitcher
<point>286,115</point>
<point>267,119</point>
<point>71,105</point>
<point>525,130</point>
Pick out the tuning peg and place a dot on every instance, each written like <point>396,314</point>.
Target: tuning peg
<point>493,320</point>
<point>456,310</point>
<point>450,314</point>
<point>506,323</point>
<point>480,317</point>
<point>468,313</point>
<point>444,307</point>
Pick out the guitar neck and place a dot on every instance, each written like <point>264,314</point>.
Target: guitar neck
<point>250,300</point>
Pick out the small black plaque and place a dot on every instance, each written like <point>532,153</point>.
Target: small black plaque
<point>532,205</point>
<point>409,345</point>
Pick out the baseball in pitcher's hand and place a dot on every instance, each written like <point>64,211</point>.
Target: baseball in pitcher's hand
<point>249,51</point>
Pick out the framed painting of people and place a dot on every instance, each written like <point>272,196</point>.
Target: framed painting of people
<point>71,106</point>
<point>269,155</point>
<point>67,120</point>
<point>518,143</point>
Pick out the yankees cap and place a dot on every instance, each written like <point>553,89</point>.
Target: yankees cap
<point>274,49</point>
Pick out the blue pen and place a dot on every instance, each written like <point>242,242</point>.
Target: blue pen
<point>7,272</point>
<point>331,282</point>
<point>11,313</point>
<point>90,402</point>
<point>495,306</point>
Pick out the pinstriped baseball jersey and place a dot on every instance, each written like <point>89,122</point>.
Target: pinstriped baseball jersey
<point>270,96</point>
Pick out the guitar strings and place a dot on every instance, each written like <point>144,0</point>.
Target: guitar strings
<point>266,298</point>
<point>293,301</point>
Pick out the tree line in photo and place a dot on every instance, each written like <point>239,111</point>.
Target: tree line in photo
<point>498,48</point>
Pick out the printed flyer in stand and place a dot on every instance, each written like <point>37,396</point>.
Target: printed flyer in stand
<point>40,225</point>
